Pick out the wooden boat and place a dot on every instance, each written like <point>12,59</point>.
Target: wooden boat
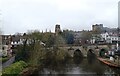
<point>109,63</point>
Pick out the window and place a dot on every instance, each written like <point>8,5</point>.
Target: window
<point>3,48</point>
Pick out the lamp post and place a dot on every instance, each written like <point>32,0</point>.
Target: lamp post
<point>118,49</point>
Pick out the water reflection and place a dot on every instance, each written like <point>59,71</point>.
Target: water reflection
<point>93,66</point>
<point>77,60</point>
<point>77,66</point>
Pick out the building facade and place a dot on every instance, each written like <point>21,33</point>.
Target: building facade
<point>97,27</point>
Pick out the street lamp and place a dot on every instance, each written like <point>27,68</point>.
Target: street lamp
<point>117,45</point>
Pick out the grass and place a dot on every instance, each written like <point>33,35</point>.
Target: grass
<point>14,69</point>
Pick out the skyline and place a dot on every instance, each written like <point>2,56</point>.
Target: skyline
<point>23,15</point>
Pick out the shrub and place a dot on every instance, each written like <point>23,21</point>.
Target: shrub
<point>14,69</point>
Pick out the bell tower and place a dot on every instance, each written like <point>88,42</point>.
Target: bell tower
<point>57,29</point>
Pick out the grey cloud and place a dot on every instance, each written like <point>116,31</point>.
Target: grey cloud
<point>25,15</point>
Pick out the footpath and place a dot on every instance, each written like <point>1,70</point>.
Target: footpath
<point>9,62</point>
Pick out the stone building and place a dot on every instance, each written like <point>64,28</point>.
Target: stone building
<point>97,27</point>
<point>57,29</point>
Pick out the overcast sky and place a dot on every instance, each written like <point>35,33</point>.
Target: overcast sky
<point>23,15</point>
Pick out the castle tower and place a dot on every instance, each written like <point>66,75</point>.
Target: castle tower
<point>97,27</point>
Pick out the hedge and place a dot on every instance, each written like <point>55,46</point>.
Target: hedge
<point>14,69</point>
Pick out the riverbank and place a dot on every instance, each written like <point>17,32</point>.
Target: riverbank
<point>111,63</point>
<point>14,69</point>
<point>28,71</point>
<point>76,66</point>
<point>86,66</point>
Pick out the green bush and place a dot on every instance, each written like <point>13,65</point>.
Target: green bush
<point>14,69</point>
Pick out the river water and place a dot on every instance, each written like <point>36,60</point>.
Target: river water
<point>83,66</point>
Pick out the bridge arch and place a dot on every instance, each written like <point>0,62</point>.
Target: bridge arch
<point>78,53</point>
<point>90,53</point>
<point>102,52</point>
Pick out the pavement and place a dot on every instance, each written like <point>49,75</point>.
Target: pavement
<point>9,62</point>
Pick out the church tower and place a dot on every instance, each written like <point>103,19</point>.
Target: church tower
<point>57,29</point>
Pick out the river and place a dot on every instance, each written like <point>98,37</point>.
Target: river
<point>83,66</point>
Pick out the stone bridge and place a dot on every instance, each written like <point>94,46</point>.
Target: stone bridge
<point>84,50</point>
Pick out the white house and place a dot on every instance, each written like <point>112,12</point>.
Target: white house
<point>92,41</point>
<point>109,37</point>
<point>3,52</point>
<point>114,39</point>
<point>105,36</point>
